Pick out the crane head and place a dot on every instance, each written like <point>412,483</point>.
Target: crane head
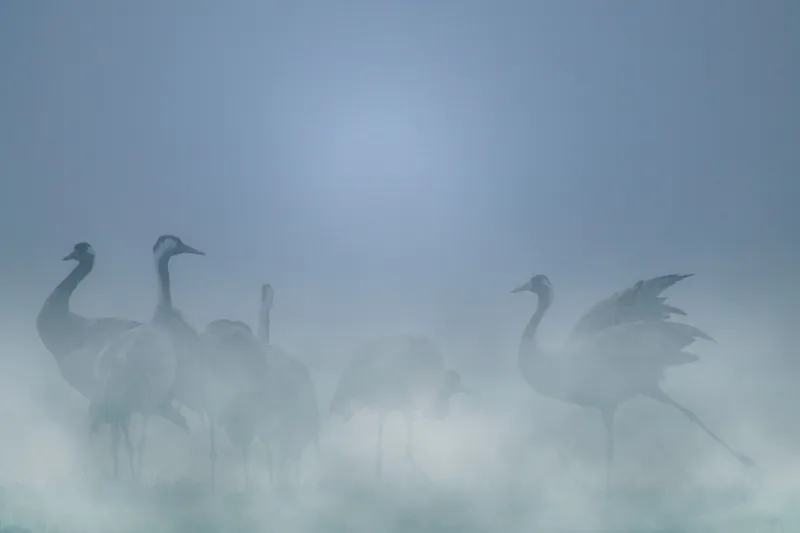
<point>538,284</point>
<point>170,245</point>
<point>81,252</point>
<point>451,385</point>
<point>343,406</point>
<point>267,295</point>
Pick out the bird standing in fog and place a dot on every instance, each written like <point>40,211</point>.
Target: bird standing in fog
<point>141,368</point>
<point>74,340</point>
<point>290,422</point>
<point>618,350</point>
<point>77,342</point>
<point>238,373</point>
<point>406,374</point>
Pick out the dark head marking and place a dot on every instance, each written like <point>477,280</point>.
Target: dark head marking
<point>168,245</point>
<point>80,252</point>
<point>164,240</point>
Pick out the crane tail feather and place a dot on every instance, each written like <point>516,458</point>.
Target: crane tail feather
<point>671,310</point>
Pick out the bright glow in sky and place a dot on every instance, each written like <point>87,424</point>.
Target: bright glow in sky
<point>388,160</point>
<point>382,127</point>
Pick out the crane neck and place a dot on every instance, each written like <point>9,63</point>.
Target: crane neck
<point>442,398</point>
<point>162,275</point>
<point>528,346</point>
<point>59,298</point>
<point>264,325</point>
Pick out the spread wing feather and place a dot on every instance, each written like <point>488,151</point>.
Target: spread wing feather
<point>640,303</point>
<point>661,342</point>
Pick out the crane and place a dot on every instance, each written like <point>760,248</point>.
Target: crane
<point>75,341</point>
<point>239,374</point>
<point>403,373</point>
<point>618,350</point>
<point>290,422</point>
<point>156,362</point>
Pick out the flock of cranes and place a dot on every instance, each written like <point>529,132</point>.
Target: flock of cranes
<point>240,381</point>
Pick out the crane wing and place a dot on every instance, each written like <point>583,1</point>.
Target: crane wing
<point>235,353</point>
<point>292,398</point>
<point>640,303</point>
<point>619,361</point>
<point>226,327</point>
<point>193,378</point>
<point>659,341</point>
<point>83,343</point>
<point>188,345</point>
<point>100,332</point>
<point>143,357</point>
<point>392,367</point>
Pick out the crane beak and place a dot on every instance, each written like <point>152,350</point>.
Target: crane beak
<point>73,255</point>
<point>186,249</point>
<point>522,288</point>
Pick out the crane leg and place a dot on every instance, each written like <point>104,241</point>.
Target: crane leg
<point>379,450</point>
<point>608,422</point>
<point>125,428</point>
<point>409,437</point>
<point>115,448</point>
<point>245,461</point>
<point>140,447</point>
<point>212,454</point>
<point>410,418</point>
<point>283,462</point>
<point>87,446</point>
<point>270,463</point>
<point>662,397</point>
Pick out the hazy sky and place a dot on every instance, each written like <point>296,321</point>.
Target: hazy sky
<point>404,165</point>
<point>378,162</point>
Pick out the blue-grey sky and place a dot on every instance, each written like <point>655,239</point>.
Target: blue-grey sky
<point>419,157</point>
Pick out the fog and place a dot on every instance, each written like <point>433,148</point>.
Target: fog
<point>399,169</point>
